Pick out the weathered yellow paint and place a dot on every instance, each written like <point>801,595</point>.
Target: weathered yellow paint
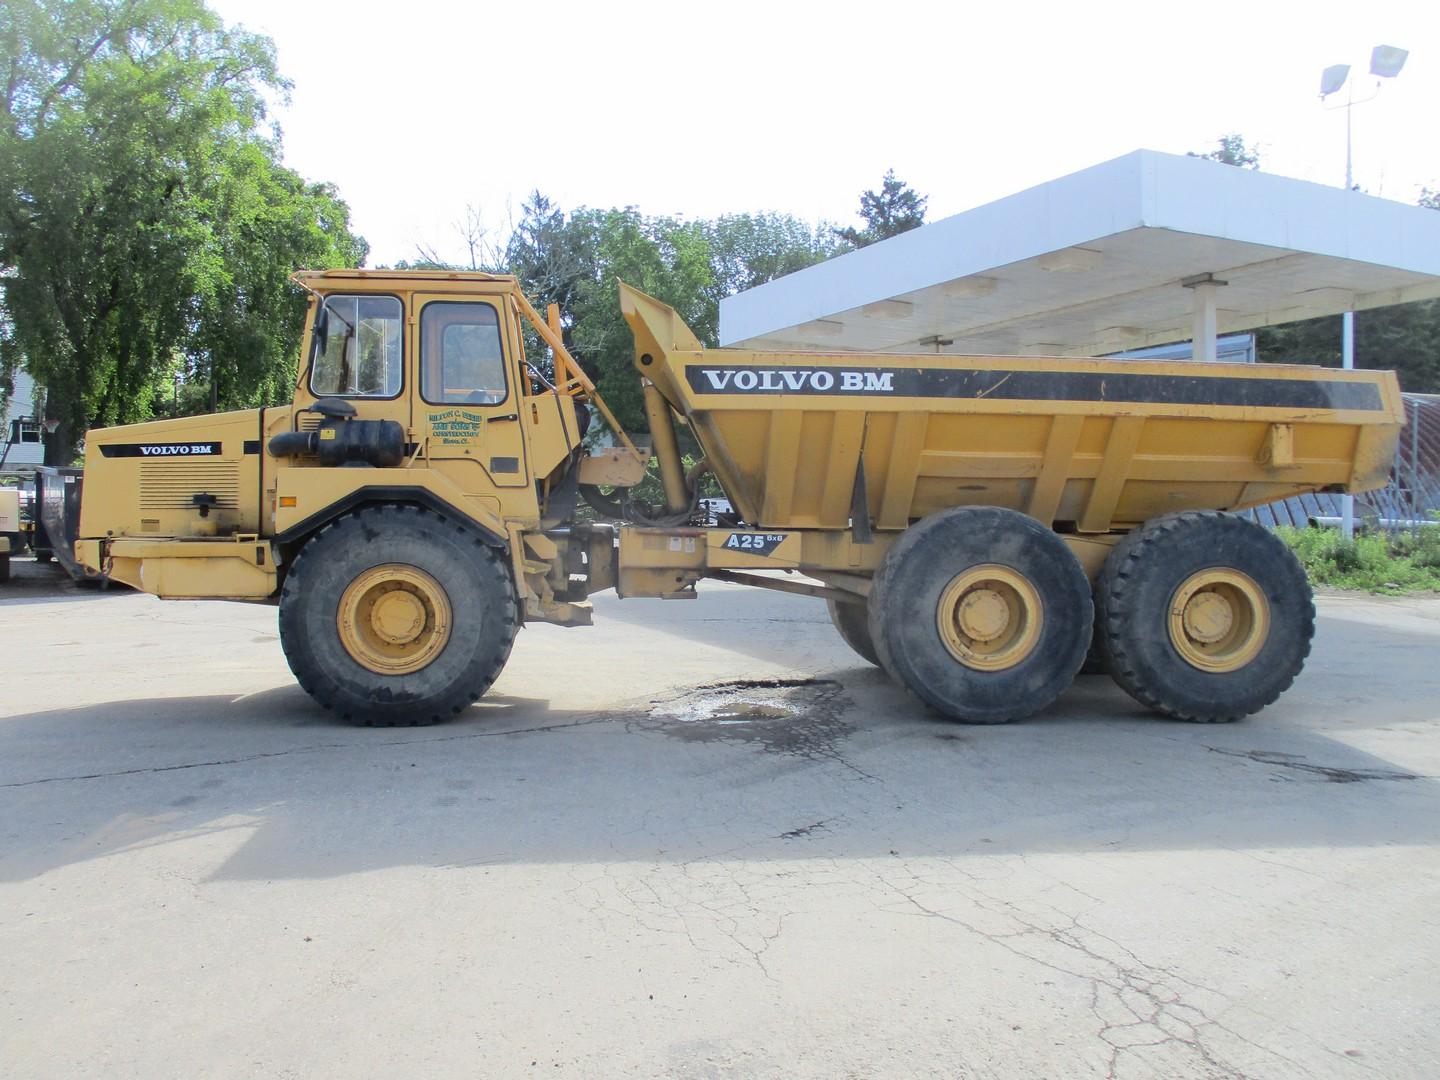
<point>1278,450</point>
<point>907,444</point>
<point>1219,619</point>
<point>1056,465</point>
<point>316,489</point>
<point>614,466</point>
<point>790,462</point>
<point>1114,468</point>
<point>235,569</point>
<point>1096,465</point>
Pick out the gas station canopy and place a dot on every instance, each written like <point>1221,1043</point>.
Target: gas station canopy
<point>1143,250</point>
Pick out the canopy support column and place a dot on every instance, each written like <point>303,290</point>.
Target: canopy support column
<point>1204,332</point>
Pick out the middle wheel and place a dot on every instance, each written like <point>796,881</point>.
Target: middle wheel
<point>983,613</point>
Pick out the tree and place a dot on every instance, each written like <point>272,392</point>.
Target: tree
<point>248,316</point>
<point>747,250</point>
<point>145,219</point>
<point>892,210</point>
<point>665,257</point>
<point>1232,150</point>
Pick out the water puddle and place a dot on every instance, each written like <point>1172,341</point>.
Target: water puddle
<point>790,716</point>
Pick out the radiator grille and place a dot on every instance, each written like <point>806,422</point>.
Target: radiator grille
<point>172,485</point>
<point>309,421</point>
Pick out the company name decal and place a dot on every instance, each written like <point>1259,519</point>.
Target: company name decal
<point>797,380</point>
<point>1038,384</point>
<point>162,450</point>
<point>455,427</point>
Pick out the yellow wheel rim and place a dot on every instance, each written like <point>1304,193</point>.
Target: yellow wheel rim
<point>1219,620</point>
<point>394,619</point>
<point>990,617</point>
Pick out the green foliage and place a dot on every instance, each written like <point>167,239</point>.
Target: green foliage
<point>576,261</point>
<point>750,249</point>
<point>1391,564</point>
<point>892,210</point>
<point>145,220</point>
<point>666,258</point>
<point>1232,150</point>
<point>1404,338</point>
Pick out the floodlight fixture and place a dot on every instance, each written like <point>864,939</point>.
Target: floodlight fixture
<point>1387,60</point>
<point>1333,78</point>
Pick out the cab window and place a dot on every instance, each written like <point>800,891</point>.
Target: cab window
<point>463,360</point>
<point>357,347</point>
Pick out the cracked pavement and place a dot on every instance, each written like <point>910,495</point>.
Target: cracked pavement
<point>703,840</point>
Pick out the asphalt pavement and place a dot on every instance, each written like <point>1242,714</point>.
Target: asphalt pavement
<point>703,840</point>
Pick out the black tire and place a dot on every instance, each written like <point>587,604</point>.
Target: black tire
<point>4,567</point>
<point>1141,582</point>
<point>913,579</point>
<point>1094,660</point>
<point>852,620</point>
<point>610,504</point>
<point>477,586</point>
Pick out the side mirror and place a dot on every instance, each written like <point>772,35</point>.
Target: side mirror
<point>320,333</point>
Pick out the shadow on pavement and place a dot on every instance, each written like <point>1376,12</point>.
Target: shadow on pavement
<point>839,766</point>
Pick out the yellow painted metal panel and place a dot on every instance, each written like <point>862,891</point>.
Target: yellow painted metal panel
<point>777,471</point>
<point>846,439</point>
<point>1102,443</point>
<point>896,491</point>
<point>1110,481</point>
<point>1055,467</point>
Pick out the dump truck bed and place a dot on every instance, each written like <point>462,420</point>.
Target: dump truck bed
<point>801,440</point>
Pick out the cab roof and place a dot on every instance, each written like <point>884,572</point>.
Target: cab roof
<point>316,278</point>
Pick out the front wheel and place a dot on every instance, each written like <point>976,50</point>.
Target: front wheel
<point>396,616</point>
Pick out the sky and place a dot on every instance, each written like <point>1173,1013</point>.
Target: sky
<point>418,111</point>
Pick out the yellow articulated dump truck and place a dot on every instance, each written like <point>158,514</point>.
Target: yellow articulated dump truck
<point>977,524</point>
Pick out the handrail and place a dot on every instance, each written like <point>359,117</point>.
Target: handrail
<point>573,373</point>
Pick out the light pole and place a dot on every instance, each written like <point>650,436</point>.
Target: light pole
<point>1385,63</point>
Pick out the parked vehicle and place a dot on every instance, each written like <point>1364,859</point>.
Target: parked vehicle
<point>973,522</point>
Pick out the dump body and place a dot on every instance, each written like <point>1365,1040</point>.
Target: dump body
<point>1090,446</point>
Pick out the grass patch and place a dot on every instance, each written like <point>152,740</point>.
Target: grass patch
<point>1391,564</point>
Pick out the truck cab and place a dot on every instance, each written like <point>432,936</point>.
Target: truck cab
<point>413,388</point>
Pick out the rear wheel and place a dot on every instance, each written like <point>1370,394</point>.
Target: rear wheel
<point>1094,661</point>
<point>852,620</point>
<point>981,612</point>
<point>393,616</point>
<point>1203,616</point>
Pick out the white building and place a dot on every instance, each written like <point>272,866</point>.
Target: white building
<point>21,443</point>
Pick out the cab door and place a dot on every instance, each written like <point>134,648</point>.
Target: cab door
<point>469,407</point>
